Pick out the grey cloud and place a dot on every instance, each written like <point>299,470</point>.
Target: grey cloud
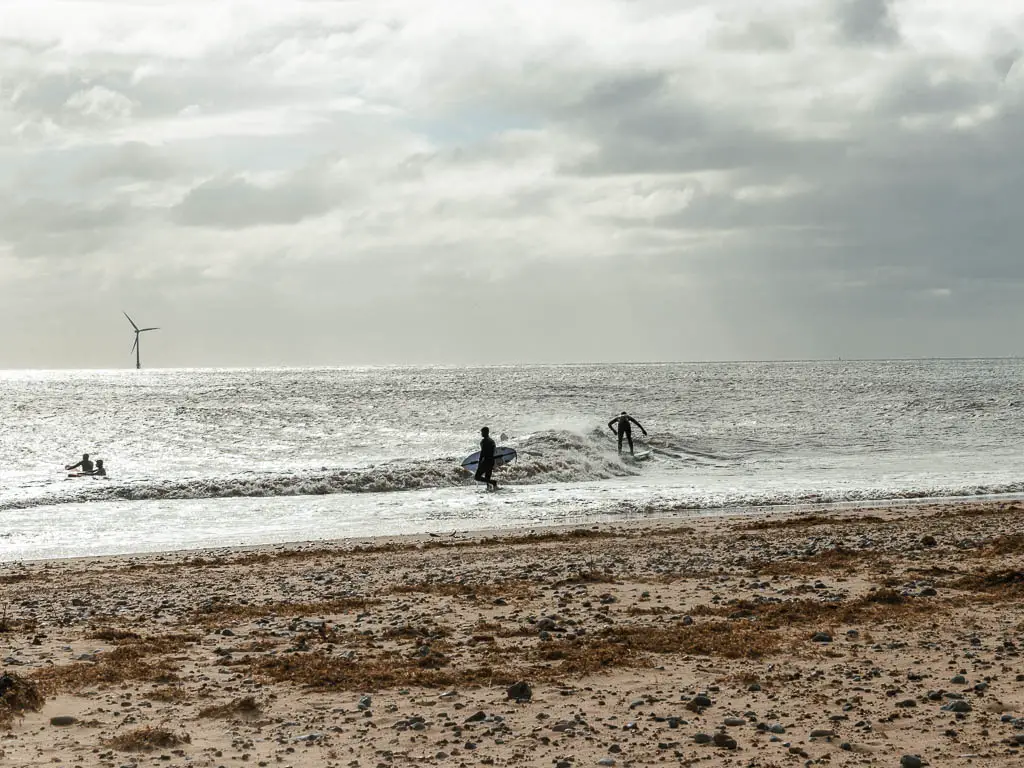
<point>756,35</point>
<point>234,203</point>
<point>20,220</point>
<point>931,86</point>
<point>867,21</point>
<point>642,125</point>
<point>132,160</point>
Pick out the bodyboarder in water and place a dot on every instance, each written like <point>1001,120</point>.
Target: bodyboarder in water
<point>621,427</point>
<point>486,463</point>
<point>85,465</point>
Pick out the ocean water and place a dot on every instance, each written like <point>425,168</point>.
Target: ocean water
<point>206,458</point>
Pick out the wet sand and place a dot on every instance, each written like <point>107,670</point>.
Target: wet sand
<point>856,637</point>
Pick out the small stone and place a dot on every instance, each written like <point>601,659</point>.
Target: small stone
<point>929,541</point>
<point>227,633</point>
<point>365,702</point>
<point>911,761</point>
<point>702,738</point>
<point>545,623</point>
<point>960,706</point>
<point>821,637</point>
<point>959,680</point>
<point>823,734</point>
<point>687,621</point>
<point>734,722</point>
<point>476,718</point>
<point>754,687</point>
<point>607,761</point>
<point>62,720</point>
<point>928,592</point>
<point>906,704</point>
<point>777,728</point>
<point>521,691</point>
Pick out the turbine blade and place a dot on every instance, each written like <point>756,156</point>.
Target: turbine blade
<point>141,330</point>
<point>131,321</point>
<point>135,344</point>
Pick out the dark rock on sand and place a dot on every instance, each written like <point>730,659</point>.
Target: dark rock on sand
<point>521,691</point>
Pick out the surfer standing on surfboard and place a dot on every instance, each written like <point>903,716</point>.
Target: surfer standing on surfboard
<point>486,465</point>
<point>620,426</point>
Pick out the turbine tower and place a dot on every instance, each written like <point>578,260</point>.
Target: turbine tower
<point>135,346</point>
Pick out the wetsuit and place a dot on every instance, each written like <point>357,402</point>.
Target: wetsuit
<point>486,465</point>
<point>621,426</point>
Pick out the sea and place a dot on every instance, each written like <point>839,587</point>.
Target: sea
<point>205,458</point>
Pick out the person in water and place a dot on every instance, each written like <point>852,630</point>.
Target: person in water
<point>99,471</point>
<point>85,465</point>
<point>486,464</point>
<point>621,426</point>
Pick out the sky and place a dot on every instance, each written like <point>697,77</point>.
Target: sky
<point>311,182</point>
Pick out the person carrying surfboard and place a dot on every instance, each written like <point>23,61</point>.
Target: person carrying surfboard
<point>621,427</point>
<point>486,465</point>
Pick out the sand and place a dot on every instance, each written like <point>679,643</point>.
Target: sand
<point>847,638</point>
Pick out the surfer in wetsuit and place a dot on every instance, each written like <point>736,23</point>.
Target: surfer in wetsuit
<point>99,471</point>
<point>85,464</point>
<point>486,464</point>
<point>621,426</point>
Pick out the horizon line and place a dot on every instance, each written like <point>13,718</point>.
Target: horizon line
<point>535,364</point>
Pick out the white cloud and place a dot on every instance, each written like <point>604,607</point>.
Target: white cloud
<point>799,164</point>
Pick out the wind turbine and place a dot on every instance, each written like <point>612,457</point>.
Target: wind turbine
<point>135,346</point>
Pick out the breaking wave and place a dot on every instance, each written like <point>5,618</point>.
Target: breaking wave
<point>545,457</point>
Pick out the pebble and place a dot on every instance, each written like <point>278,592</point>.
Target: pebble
<point>702,738</point>
<point>911,761</point>
<point>607,761</point>
<point>754,687</point>
<point>958,706</point>
<point>734,722</point>
<point>823,734</point>
<point>821,637</point>
<point>959,680</point>
<point>365,702</point>
<point>63,720</point>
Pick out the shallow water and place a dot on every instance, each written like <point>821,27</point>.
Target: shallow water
<point>229,457</point>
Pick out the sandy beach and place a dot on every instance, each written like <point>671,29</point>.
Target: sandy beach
<point>886,636</point>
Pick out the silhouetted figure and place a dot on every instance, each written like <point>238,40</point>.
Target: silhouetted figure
<point>99,471</point>
<point>486,463</point>
<point>621,426</point>
<point>85,465</point>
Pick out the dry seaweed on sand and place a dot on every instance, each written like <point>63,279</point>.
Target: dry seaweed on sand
<point>146,739</point>
<point>17,696</point>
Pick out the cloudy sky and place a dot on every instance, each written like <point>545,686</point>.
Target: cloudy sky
<point>310,182</point>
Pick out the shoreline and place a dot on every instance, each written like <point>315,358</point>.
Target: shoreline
<point>807,635</point>
<point>629,519</point>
